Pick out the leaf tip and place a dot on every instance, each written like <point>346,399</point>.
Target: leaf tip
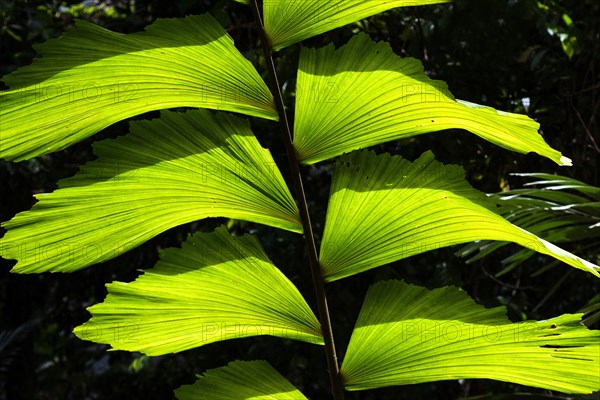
<point>565,161</point>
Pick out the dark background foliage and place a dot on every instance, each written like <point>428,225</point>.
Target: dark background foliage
<point>538,58</point>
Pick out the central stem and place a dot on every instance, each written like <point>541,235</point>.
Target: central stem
<point>315,268</point>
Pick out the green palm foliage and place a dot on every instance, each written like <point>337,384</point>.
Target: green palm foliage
<point>241,380</point>
<point>288,22</point>
<point>91,78</point>
<point>166,172</point>
<point>384,208</point>
<point>556,208</point>
<point>406,334</point>
<point>362,94</point>
<point>216,287</point>
<point>196,164</point>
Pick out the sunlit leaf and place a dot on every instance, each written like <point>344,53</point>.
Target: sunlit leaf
<point>216,287</point>
<point>384,208</point>
<point>241,380</point>
<point>290,21</point>
<point>406,334</point>
<point>91,78</point>
<point>363,94</point>
<point>166,172</point>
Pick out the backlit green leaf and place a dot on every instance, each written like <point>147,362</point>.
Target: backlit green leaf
<point>406,334</point>
<point>290,21</point>
<point>166,172</point>
<point>241,380</point>
<point>363,94</point>
<point>384,208</point>
<point>91,78</point>
<point>216,287</point>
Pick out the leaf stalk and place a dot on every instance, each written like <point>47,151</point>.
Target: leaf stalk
<point>318,283</point>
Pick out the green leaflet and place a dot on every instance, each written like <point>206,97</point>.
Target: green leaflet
<point>241,380</point>
<point>166,172</point>
<point>91,78</point>
<point>561,210</point>
<point>290,21</point>
<point>216,287</point>
<point>363,94</point>
<point>384,208</point>
<point>406,334</point>
<point>557,183</point>
<point>591,311</point>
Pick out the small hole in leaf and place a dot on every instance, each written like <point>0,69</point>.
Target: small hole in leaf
<point>553,326</point>
<point>558,347</point>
